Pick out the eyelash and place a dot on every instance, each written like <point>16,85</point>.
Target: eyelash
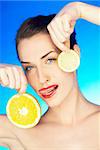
<point>26,68</point>
<point>53,59</point>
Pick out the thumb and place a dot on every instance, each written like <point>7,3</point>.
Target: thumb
<point>68,23</point>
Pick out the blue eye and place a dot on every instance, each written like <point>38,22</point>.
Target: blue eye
<point>28,68</point>
<point>51,60</point>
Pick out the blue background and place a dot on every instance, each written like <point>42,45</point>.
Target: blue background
<point>4,148</point>
<point>13,13</point>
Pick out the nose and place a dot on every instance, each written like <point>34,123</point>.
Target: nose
<point>42,76</point>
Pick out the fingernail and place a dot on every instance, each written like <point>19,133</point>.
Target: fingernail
<point>21,91</point>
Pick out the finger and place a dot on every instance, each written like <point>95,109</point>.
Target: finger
<point>67,43</point>
<point>68,27</point>
<point>17,78</point>
<point>11,77</point>
<point>66,22</point>
<point>60,45</point>
<point>4,81</point>
<point>57,32</point>
<point>23,81</point>
<point>72,23</point>
<point>61,28</point>
<point>77,49</point>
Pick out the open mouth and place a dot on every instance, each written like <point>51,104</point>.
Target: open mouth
<point>49,91</point>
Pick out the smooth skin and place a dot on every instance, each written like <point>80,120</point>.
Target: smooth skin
<point>71,122</point>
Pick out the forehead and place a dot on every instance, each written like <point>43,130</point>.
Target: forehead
<point>38,44</point>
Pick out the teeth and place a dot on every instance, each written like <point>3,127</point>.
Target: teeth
<point>48,90</point>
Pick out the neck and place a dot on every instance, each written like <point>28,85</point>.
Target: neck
<point>68,112</point>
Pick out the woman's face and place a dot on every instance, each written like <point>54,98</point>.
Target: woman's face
<point>39,55</point>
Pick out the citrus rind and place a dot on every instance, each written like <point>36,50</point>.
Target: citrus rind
<point>23,110</point>
<point>68,61</point>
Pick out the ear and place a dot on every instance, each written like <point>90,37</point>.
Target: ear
<point>76,49</point>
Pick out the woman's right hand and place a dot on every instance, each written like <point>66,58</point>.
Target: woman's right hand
<point>12,76</point>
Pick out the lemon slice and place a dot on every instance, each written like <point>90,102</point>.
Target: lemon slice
<point>68,61</point>
<point>23,110</point>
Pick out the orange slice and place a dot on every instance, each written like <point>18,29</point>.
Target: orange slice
<point>68,61</point>
<point>23,110</point>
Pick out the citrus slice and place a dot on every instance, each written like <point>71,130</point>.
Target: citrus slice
<point>23,110</point>
<point>68,61</point>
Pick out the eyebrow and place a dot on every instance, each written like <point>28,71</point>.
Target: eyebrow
<point>40,58</point>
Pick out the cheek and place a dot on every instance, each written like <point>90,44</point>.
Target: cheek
<point>31,81</point>
<point>65,80</point>
<point>56,75</point>
<point>61,75</point>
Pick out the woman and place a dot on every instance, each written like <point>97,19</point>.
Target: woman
<point>71,122</point>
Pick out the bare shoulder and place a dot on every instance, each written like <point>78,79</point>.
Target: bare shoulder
<point>3,121</point>
<point>8,129</point>
<point>94,114</point>
<point>8,137</point>
<point>5,130</point>
<point>5,133</point>
<point>96,110</point>
<point>91,113</point>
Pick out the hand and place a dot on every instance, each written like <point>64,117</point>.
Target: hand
<point>62,25</point>
<point>12,76</point>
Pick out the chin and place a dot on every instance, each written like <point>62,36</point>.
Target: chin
<point>54,103</point>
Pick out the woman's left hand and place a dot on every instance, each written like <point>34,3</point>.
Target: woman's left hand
<point>62,25</point>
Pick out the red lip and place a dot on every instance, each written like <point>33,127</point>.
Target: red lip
<point>46,93</point>
<point>48,87</point>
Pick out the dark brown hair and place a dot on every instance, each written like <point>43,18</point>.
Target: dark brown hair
<point>34,25</point>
